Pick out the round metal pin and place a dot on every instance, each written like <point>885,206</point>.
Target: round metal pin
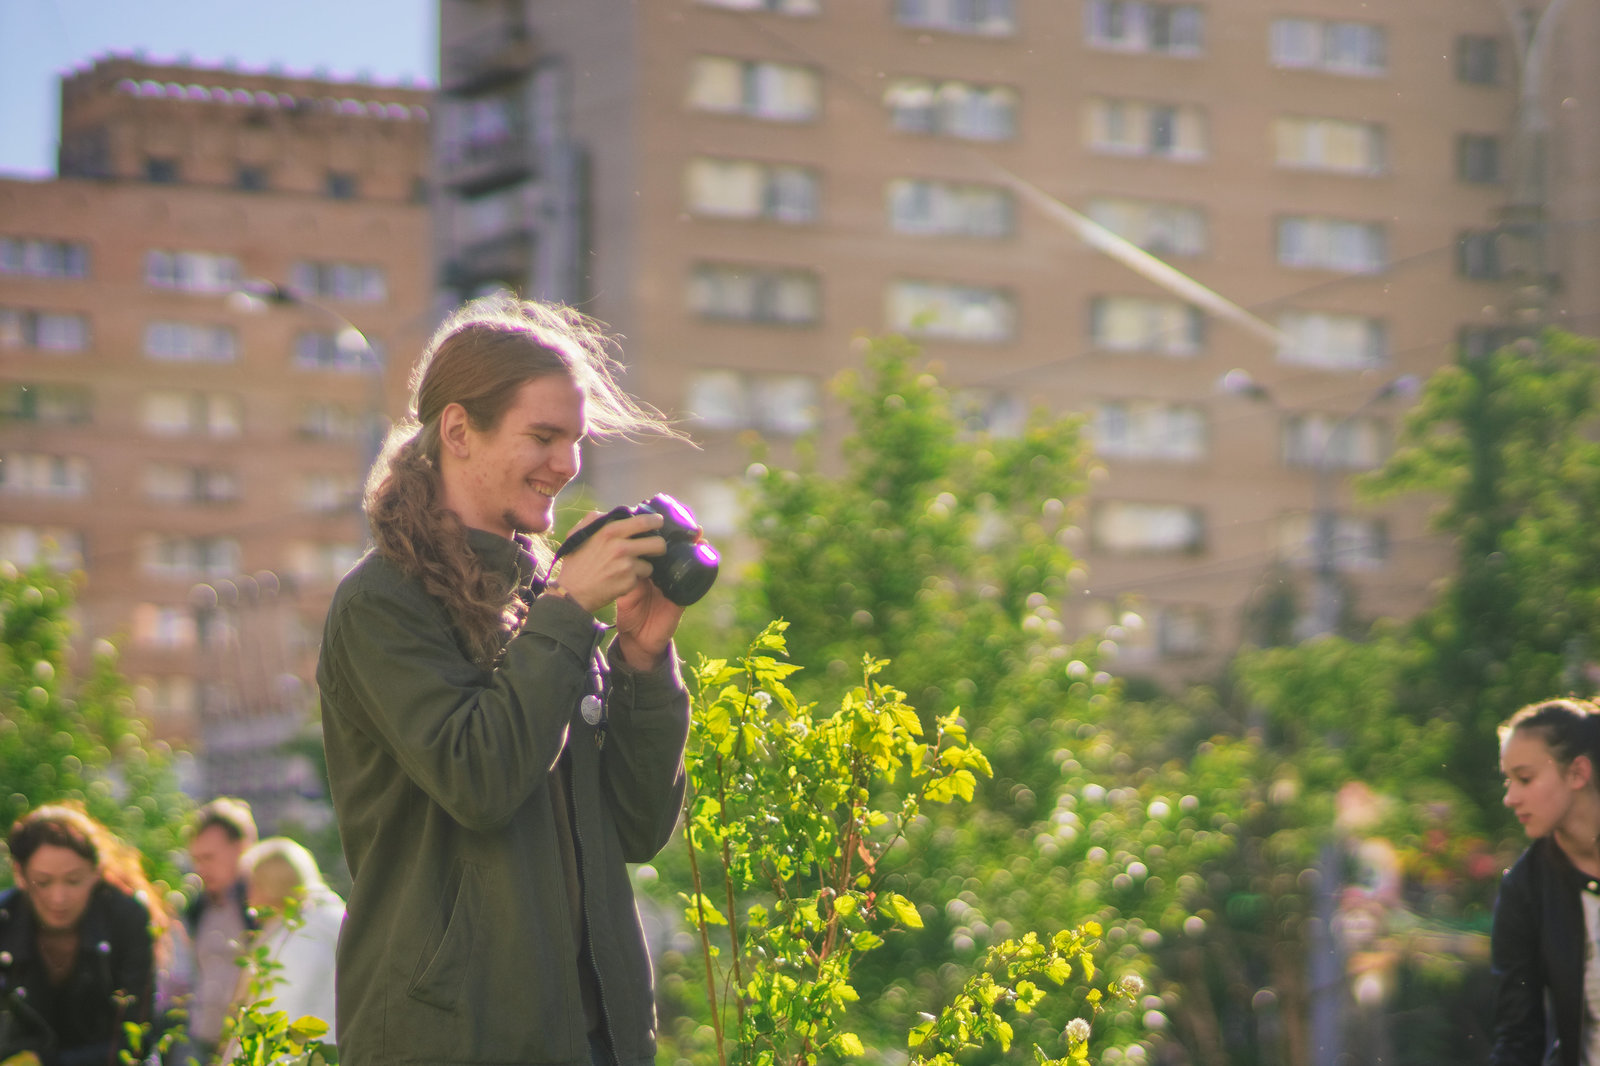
<point>592,708</point>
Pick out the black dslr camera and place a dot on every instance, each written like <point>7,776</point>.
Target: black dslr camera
<point>688,568</point>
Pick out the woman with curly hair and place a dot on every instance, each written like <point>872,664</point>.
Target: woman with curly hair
<point>77,940</point>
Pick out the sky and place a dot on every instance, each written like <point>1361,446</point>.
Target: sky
<point>386,41</point>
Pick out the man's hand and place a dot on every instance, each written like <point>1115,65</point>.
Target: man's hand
<point>611,563</point>
<point>646,620</point>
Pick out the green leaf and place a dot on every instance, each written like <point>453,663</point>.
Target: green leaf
<point>903,910</point>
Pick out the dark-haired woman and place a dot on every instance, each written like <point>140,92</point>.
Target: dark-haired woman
<point>1547,917</point>
<point>77,956</point>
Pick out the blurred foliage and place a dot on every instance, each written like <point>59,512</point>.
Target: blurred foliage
<point>1215,835</point>
<point>1510,445</point>
<point>67,737</point>
<point>795,821</point>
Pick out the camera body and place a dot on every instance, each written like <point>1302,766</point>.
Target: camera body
<point>688,568</point>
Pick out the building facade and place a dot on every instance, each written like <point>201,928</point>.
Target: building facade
<point>741,187</point>
<point>196,454</point>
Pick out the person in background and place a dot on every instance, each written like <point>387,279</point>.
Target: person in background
<point>218,919</point>
<point>1547,915</point>
<point>78,940</point>
<point>494,763</point>
<point>299,919</point>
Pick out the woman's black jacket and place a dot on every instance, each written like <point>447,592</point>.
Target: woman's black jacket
<point>1536,956</point>
<point>79,1022</point>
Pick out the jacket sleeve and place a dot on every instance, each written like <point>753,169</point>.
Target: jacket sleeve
<point>642,773</point>
<point>1514,962</point>
<point>477,741</point>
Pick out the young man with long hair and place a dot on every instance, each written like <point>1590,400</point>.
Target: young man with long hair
<point>493,767</point>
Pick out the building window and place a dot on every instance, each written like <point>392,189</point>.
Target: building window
<point>341,351</point>
<point>781,7</point>
<point>191,271</point>
<point>1158,228</point>
<point>993,412</point>
<point>183,413</point>
<point>250,178</point>
<point>178,483</point>
<point>188,342</point>
<point>189,557</point>
<point>1138,26</point>
<point>319,420</point>
<point>1357,543</point>
<point>1355,48</point>
<point>1128,528</point>
<point>770,295</point>
<point>1143,324</point>
<point>778,92</point>
<point>481,129</point>
<point>1480,342</point>
<point>321,564</point>
<point>1477,60</point>
<point>158,626</point>
<point>161,171</point>
<point>346,282</point>
<point>31,257</point>
<point>983,18</point>
<point>1332,341</point>
<point>946,209</point>
<point>1478,256</point>
<point>781,404</point>
<point>341,186</point>
<point>325,493</point>
<point>952,109</point>
<point>1183,630</point>
<point>946,311</point>
<point>1331,144</point>
<point>59,548</point>
<point>44,405</point>
<point>1334,442</point>
<point>744,188</point>
<point>167,698</point>
<point>1478,158</point>
<point>1149,429</point>
<point>40,474</point>
<point>1332,244</point>
<point>1138,127</point>
<point>46,331</point>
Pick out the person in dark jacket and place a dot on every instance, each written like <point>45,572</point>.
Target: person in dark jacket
<point>77,945</point>
<point>1547,915</point>
<point>218,919</point>
<point>493,766</point>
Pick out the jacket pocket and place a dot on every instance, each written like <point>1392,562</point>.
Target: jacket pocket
<point>448,949</point>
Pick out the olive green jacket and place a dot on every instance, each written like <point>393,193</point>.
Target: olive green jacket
<point>459,944</point>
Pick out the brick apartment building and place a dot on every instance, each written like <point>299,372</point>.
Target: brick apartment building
<point>200,463</point>
<point>743,186</point>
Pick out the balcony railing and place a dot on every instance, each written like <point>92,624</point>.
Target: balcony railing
<point>487,58</point>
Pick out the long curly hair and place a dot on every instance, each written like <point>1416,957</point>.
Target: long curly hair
<point>68,825</point>
<point>479,358</point>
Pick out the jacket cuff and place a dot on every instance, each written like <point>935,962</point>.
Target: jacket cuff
<point>661,685</point>
<point>561,620</point>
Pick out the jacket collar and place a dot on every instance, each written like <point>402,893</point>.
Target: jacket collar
<point>512,558</point>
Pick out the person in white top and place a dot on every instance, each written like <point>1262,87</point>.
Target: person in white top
<point>300,920</point>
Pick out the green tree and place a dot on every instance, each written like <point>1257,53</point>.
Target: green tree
<point>68,737</point>
<point>1508,445</point>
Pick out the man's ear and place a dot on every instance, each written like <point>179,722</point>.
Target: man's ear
<point>16,874</point>
<point>453,427</point>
